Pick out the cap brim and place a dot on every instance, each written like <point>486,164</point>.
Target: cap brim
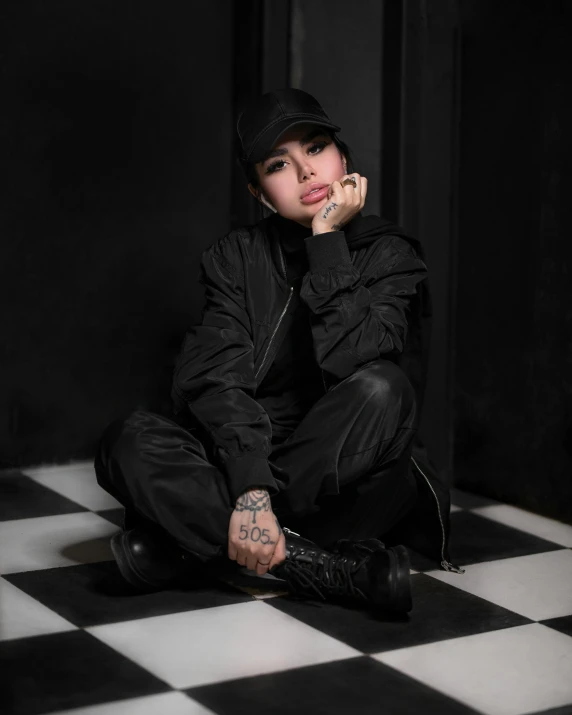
<point>268,139</point>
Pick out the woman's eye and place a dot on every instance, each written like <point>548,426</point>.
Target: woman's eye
<point>276,166</point>
<point>317,148</point>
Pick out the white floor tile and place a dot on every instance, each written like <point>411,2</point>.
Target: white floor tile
<point>50,541</point>
<point>22,616</point>
<point>164,704</point>
<point>506,672</point>
<point>548,529</point>
<point>267,596</point>
<point>223,643</point>
<point>538,586</point>
<point>76,482</point>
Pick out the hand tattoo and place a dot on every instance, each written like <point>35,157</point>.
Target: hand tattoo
<point>256,534</point>
<point>331,207</point>
<point>254,501</point>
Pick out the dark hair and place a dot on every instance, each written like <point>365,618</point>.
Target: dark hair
<point>252,176</point>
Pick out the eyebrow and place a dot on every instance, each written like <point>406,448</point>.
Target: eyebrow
<point>305,140</point>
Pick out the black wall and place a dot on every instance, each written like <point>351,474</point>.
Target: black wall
<point>344,70</point>
<point>119,134</point>
<point>513,386</point>
<point>116,136</point>
<point>120,130</point>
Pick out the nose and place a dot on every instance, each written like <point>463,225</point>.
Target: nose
<point>305,170</point>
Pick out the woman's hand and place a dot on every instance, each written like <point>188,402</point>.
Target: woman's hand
<point>255,539</point>
<point>342,204</point>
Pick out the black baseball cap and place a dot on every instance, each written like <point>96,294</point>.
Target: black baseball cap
<point>266,118</point>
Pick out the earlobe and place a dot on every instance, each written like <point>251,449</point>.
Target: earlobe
<point>266,202</point>
<point>259,196</point>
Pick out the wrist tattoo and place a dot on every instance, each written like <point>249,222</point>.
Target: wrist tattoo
<point>331,207</point>
<point>337,226</point>
<point>253,501</point>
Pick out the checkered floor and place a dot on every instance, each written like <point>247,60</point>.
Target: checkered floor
<point>75,638</point>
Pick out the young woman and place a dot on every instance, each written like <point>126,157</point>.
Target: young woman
<point>297,397</point>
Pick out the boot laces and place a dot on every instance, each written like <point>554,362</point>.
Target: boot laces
<point>327,574</point>
<point>358,548</point>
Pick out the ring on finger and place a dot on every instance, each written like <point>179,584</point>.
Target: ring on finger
<point>350,181</point>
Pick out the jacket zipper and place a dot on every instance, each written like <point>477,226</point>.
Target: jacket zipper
<point>275,331</point>
<point>445,565</point>
<point>286,278</point>
<point>282,314</point>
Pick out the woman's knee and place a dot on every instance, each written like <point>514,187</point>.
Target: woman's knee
<point>119,436</point>
<point>383,382</point>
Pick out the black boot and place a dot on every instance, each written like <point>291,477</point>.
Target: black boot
<point>150,561</point>
<point>361,572</point>
<point>346,547</point>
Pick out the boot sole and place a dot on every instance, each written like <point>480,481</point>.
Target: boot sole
<point>400,599</point>
<point>127,566</point>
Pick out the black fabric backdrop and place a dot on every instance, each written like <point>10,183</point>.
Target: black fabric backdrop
<point>116,132</point>
<point>116,137</point>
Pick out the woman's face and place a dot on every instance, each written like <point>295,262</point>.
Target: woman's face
<point>296,176</point>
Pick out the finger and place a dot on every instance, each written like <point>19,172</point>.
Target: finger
<point>262,568</point>
<point>357,192</point>
<point>363,191</point>
<point>251,561</point>
<point>340,198</point>
<point>356,178</point>
<point>353,192</point>
<point>263,558</point>
<point>278,558</point>
<point>279,554</point>
<point>354,175</point>
<point>241,557</point>
<point>336,191</point>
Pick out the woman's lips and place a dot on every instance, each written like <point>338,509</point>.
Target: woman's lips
<point>316,196</point>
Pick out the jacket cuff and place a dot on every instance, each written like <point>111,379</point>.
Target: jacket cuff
<point>249,472</point>
<point>327,250</point>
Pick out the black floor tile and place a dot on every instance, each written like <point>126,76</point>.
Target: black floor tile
<point>65,670</point>
<point>468,500</point>
<point>419,562</point>
<point>440,611</point>
<point>115,516</point>
<point>562,624</point>
<point>23,498</point>
<point>360,686</point>
<point>94,594</point>
<point>475,539</point>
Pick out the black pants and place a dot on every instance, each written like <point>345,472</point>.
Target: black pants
<point>343,473</point>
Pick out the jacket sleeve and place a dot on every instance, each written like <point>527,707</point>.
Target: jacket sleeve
<point>214,375</point>
<point>357,318</point>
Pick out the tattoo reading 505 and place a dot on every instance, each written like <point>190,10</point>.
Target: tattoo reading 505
<point>255,534</point>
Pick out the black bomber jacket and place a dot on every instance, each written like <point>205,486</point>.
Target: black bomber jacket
<point>368,295</point>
